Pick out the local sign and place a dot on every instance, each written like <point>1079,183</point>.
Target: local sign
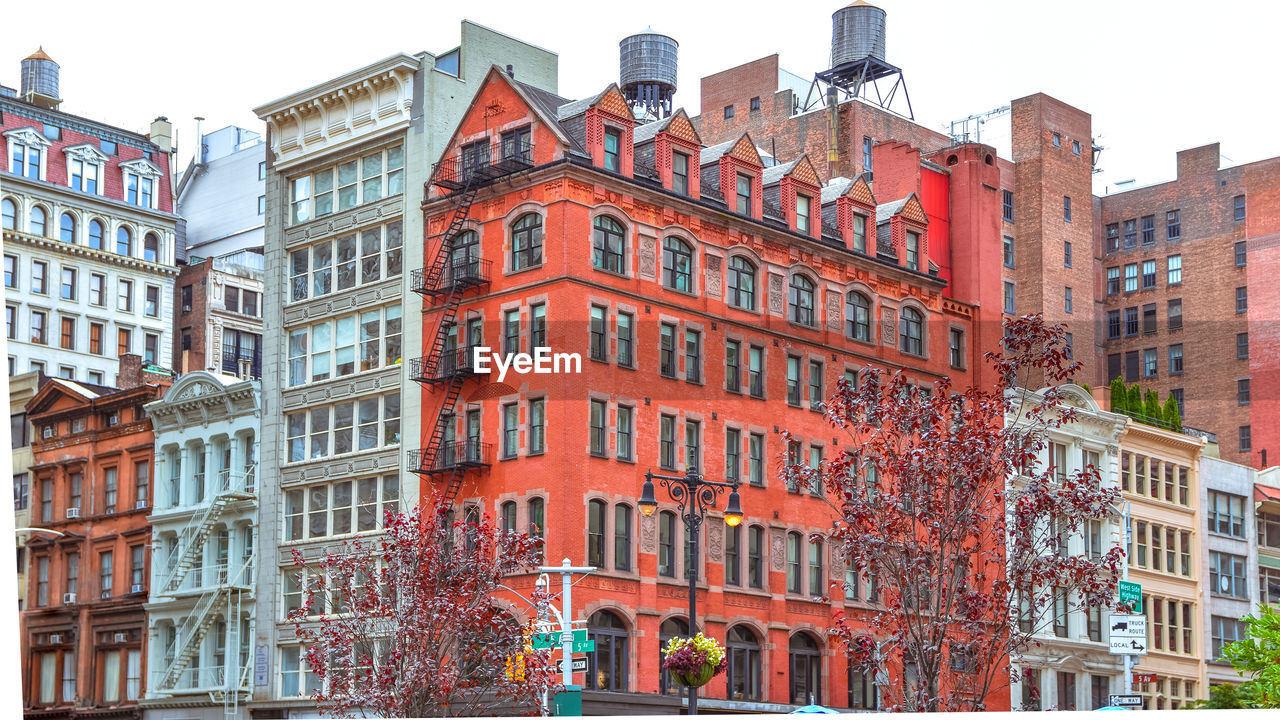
<point>1126,646</point>
<point>1125,700</point>
<point>1130,596</point>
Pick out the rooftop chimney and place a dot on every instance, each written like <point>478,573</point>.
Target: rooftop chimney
<point>40,80</point>
<point>162,133</point>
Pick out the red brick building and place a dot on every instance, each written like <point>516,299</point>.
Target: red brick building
<point>715,297</point>
<point>83,627</point>
<point>1189,304</point>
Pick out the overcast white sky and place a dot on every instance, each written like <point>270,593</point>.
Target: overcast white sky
<point>1156,76</point>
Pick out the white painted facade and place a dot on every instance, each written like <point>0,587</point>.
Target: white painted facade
<point>202,607</point>
<point>1069,656</point>
<point>223,197</point>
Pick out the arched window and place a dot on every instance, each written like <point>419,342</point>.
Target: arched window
<point>744,663</point>
<point>537,523</point>
<point>677,264</point>
<point>793,562</point>
<point>509,516</point>
<point>526,242</point>
<point>466,255</point>
<point>124,241</point>
<point>816,586</point>
<point>9,214</point>
<point>607,666</point>
<point>806,670</point>
<point>857,314</point>
<point>595,533</point>
<point>67,228</point>
<point>608,245</point>
<point>622,537</point>
<point>151,248</point>
<point>37,221</point>
<point>670,628</point>
<point>911,331</point>
<point>96,234</point>
<point>667,543</point>
<point>742,283</point>
<point>802,300</point>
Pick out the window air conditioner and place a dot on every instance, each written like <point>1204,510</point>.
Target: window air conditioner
<point>55,638</point>
<point>135,588</point>
<point>121,637</point>
<point>68,598</point>
<point>73,512</point>
<point>140,504</point>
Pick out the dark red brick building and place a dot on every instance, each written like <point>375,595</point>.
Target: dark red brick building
<point>83,626</point>
<point>715,297</point>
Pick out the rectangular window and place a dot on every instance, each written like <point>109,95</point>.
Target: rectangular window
<point>150,348</point>
<point>1148,229</point>
<point>124,301</point>
<point>1246,438</point>
<point>913,251</point>
<point>755,459</point>
<point>1113,280</point>
<point>1174,267</point>
<point>612,150</point>
<point>510,430</point>
<point>1113,324</point>
<point>1174,310</point>
<point>693,356</point>
<point>1242,299</point>
<point>667,442</point>
<point>732,443</point>
<point>816,397</point>
<point>1242,345</point>
<point>1175,359</point>
<point>1241,253</point>
<point>692,445</point>
<point>680,173</point>
<point>1242,391</point>
<point>859,233</point>
<point>755,556</point>
<point>1007,205</point>
<point>1227,575</point>
<point>68,283</point>
<point>957,348</point>
<point>1113,237</point>
<point>599,334</point>
<point>626,433</point>
<point>105,574</point>
<point>1238,207</point>
<point>1226,513</point>
<point>537,426</point>
<point>68,339</point>
<point>1149,318</point>
<point>1130,321</point>
<point>626,337</point>
<point>1066,208</point>
<point>111,489</point>
<point>728,111</point>
<point>1066,254</point>
<point>866,153</point>
<point>1173,225</point>
<point>667,351</point>
<point>1008,251</point>
<point>744,195</point>
<point>1131,277</point>
<point>1130,233</point>
<point>1131,366</point>
<point>1148,274</point>
<point>732,366</point>
<point>1149,362</point>
<point>802,213</point>
<point>1008,297</point>
<point>793,380</point>
<point>511,333</point>
<point>755,371</point>
<point>152,307</point>
<point>124,341</point>
<point>599,413</point>
<point>732,553</point>
<point>1067,301</point>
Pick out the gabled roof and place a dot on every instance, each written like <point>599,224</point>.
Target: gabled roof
<point>56,388</point>
<point>856,188</point>
<point>676,124</point>
<point>610,99</point>
<point>773,175</point>
<point>744,148</point>
<point>908,206</point>
<point>541,104</point>
<point>800,169</point>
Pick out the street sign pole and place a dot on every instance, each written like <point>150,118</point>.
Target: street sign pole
<point>1128,543</point>
<point>567,571</point>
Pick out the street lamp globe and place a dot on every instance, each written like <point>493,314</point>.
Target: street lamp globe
<point>733,511</point>
<point>648,503</point>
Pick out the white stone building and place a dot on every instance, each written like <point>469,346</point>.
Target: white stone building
<point>201,613</point>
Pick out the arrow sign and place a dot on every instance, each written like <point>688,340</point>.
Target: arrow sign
<point>1125,700</point>
<point>1127,646</point>
<point>579,665</point>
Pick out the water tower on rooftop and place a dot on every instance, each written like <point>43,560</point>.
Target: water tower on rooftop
<point>647,74</point>
<point>40,80</point>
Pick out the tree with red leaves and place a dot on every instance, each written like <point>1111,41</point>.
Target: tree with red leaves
<point>946,510</point>
<point>407,625</point>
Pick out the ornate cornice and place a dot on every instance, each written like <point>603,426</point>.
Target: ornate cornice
<point>84,251</point>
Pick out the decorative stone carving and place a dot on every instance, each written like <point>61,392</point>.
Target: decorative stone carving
<point>196,390</point>
<point>648,257</point>
<point>777,549</point>
<point>834,304</point>
<point>775,294</point>
<point>713,275</point>
<point>888,325</point>
<point>648,533</point>
<point>715,541</point>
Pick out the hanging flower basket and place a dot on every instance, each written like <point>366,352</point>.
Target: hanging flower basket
<point>693,661</point>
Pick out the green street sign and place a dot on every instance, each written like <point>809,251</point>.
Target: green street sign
<point>584,646</point>
<point>542,641</point>
<point>1130,596</point>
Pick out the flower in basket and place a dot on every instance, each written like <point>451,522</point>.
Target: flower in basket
<point>694,661</point>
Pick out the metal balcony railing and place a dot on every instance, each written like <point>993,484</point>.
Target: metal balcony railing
<point>454,172</point>
<point>460,274</point>
<point>457,455</point>
<point>240,363</point>
<point>458,362</point>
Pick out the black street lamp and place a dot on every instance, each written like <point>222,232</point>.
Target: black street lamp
<point>695,496</point>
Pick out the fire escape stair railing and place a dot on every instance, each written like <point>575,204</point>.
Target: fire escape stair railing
<point>196,625</point>
<point>192,537</point>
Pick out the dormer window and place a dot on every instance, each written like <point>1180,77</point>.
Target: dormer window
<point>744,194</point>
<point>84,176</point>
<point>612,150</point>
<point>140,178</point>
<point>802,213</point>
<point>913,250</point>
<point>26,152</point>
<point>860,233</point>
<point>85,164</point>
<point>680,172</point>
<point>518,145</point>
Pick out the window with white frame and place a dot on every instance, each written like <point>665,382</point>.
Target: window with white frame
<point>364,424</point>
<point>347,506</point>
<point>27,152</point>
<point>343,346</point>
<point>354,182</point>
<point>84,168</point>
<point>334,265</point>
<point>141,183</point>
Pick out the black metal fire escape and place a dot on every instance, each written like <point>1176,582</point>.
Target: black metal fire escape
<point>446,282</point>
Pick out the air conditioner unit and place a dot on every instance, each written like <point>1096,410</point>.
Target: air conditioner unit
<point>73,512</point>
<point>68,598</point>
<point>55,638</point>
<point>186,308</point>
<point>109,511</point>
<point>135,588</point>
<point>106,595</point>
<point>120,637</point>
<point>140,504</point>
